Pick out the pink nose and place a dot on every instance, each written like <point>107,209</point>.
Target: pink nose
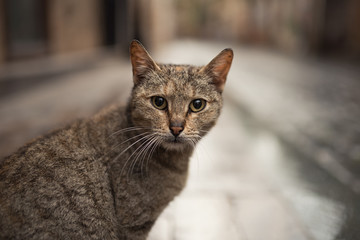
<point>176,130</point>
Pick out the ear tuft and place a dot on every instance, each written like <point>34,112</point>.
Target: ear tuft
<point>219,67</point>
<point>140,60</point>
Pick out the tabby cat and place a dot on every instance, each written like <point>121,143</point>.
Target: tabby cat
<point>110,176</point>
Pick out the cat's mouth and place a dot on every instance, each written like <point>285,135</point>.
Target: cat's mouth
<point>176,140</point>
<point>173,142</point>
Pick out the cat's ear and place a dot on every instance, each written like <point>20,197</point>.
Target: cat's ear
<point>219,67</point>
<point>141,61</point>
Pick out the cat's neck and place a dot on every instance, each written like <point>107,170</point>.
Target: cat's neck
<point>176,160</point>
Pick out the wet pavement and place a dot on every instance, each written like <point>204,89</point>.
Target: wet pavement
<point>280,164</point>
<point>283,161</point>
<point>312,104</point>
<point>245,183</point>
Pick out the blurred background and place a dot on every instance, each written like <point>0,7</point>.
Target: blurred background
<point>283,161</point>
<point>36,28</point>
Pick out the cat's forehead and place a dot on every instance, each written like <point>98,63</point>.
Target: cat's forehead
<point>184,79</point>
<point>181,73</point>
<point>177,82</point>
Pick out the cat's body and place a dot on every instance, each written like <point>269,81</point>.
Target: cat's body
<point>109,177</point>
<point>70,175</point>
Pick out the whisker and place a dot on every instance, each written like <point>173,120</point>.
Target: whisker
<point>142,153</point>
<point>129,158</point>
<point>129,139</point>
<point>155,145</point>
<point>128,129</point>
<point>144,146</point>
<point>151,147</point>
<point>133,163</point>
<point>193,139</point>
<point>125,130</point>
<point>129,147</point>
<point>203,131</point>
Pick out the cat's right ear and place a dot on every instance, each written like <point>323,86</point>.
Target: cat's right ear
<point>219,67</point>
<point>141,61</point>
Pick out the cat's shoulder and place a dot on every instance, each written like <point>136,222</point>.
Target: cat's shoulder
<point>110,111</point>
<point>69,137</point>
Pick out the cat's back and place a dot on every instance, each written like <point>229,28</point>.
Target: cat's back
<point>55,187</point>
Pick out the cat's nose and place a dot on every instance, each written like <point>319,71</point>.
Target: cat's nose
<point>176,130</point>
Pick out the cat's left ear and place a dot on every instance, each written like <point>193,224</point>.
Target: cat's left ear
<point>219,67</point>
<point>141,61</point>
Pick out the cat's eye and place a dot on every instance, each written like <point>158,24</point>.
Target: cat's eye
<point>197,105</point>
<point>159,102</point>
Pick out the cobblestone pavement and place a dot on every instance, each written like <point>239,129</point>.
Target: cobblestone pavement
<point>262,172</point>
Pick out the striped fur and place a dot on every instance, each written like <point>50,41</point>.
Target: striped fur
<point>110,176</point>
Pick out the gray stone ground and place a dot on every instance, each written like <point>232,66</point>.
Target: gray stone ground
<point>263,173</point>
<point>270,169</point>
<point>314,105</point>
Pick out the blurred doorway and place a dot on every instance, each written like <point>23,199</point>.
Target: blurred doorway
<point>335,36</point>
<point>25,28</point>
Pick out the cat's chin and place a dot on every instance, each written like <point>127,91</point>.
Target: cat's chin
<point>175,145</point>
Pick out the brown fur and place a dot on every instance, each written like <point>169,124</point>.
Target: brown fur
<point>109,177</point>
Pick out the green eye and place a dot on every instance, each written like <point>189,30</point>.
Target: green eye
<point>159,102</point>
<point>197,105</point>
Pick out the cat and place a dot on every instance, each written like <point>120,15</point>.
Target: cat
<point>110,176</point>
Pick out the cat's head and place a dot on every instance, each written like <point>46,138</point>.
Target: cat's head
<point>176,104</point>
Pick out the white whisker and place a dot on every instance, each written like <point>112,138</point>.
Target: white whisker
<point>129,147</point>
<point>143,149</point>
<point>156,142</point>
<point>146,151</point>
<point>129,139</point>
<point>128,130</point>
<point>129,158</point>
<point>155,145</point>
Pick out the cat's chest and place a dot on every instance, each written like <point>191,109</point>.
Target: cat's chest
<point>143,195</point>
